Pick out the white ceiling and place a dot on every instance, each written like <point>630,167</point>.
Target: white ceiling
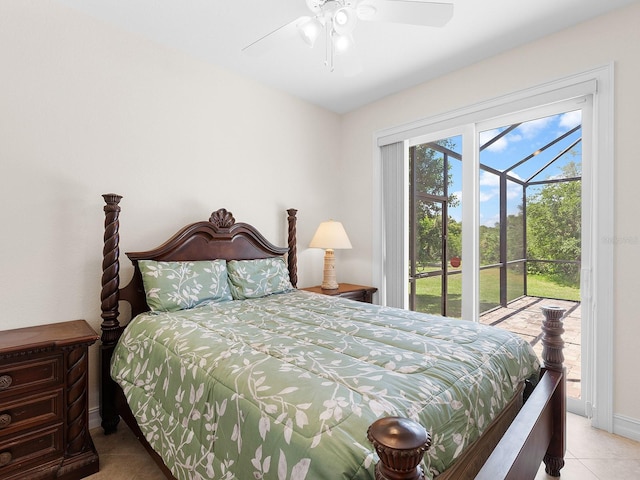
<point>393,56</point>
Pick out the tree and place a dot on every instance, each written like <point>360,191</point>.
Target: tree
<point>489,244</point>
<point>554,226</point>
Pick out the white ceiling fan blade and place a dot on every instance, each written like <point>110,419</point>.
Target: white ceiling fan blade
<point>274,39</point>
<point>411,12</point>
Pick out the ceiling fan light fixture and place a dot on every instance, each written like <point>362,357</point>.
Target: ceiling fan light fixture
<point>344,20</point>
<point>341,43</point>
<point>309,29</point>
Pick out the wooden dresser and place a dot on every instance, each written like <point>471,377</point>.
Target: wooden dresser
<point>44,426</point>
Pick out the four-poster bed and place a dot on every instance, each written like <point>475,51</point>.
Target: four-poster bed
<point>515,442</point>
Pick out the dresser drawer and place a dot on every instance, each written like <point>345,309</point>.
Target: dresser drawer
<point>18,377</point>
<point>22,412</point>
<point>21,451</point>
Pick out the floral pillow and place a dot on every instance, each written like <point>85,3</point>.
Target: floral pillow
<point>258,278</point>
<point>172,286</point>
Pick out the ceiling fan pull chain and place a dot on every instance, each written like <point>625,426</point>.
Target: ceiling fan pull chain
<point>329,46</point>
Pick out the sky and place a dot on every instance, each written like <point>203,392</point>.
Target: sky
<point>517,145</point>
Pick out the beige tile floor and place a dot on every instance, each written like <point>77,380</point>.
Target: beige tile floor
<point>591,455</point>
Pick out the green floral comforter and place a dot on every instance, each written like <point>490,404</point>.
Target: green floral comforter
<point>285,386</point>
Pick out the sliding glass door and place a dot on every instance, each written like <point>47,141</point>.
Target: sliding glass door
<point>580,165</point>
<point>523,224</point>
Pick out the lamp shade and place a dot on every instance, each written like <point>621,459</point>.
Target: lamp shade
<point>330,234</point>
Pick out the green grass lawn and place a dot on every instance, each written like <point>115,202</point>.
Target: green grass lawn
<point>428,291</point>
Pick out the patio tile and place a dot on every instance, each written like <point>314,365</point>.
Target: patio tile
<point>524,317</point>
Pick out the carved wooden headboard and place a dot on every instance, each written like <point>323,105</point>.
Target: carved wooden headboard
<point>221,237</point>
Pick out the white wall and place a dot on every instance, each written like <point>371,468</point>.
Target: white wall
<point>86,109</point>
<point>611,38</point>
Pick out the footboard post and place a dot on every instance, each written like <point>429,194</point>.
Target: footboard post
<point>400,444</point>
<point>109,305</point>
<point>553,358</point>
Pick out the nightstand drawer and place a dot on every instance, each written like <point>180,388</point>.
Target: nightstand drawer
<point>21,451</point>
<point>21,376</point>
<point>22,412</point>
<point>359,293</point>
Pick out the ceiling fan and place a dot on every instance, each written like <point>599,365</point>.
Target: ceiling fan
<point>338,19</point>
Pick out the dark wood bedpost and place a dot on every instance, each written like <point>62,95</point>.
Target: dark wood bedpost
<point>553,358</point>
<point>400,444</point>
<point>109,298</point>
<point>292,256</point>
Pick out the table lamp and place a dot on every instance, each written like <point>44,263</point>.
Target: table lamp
<point>330,235</point>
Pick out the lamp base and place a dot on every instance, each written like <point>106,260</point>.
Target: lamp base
<point>329,278</point>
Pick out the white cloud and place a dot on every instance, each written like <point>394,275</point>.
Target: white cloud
<point>526,130</point>
<point>489,179</point>
<point>490,186</point>
<point>531,128</point>
<point>571,119</point>
<point>514,191</point>
<point>487,195</point>
<point>499,145</point>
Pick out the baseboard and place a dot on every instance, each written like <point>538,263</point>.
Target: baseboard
<point>626,427</point>
<point>94,418</point>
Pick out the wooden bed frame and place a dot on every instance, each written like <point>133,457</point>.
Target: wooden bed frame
<point>513,446</point>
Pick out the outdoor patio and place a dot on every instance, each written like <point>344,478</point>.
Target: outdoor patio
<point>524,317</point>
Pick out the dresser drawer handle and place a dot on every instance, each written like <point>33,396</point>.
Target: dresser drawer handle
<point>5,458</point>
<point>5,420</point>
<point>5,382</point>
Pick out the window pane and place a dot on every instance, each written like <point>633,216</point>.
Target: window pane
<point>429,295</point>
<point>489,289</point>
<point>515,224</point>
<point>429,169</point>
<point>515,281</point>
<point>489,218</point>
<point>454,295</point>
<point>428,241</point>
<point>436,226</point>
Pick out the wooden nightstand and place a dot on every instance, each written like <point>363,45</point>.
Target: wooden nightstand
<point>347,290</point>
<point>44,424</point>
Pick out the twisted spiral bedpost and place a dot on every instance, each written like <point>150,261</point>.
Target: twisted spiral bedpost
<point>553,358</point>
<point>109,298</point>
<point>292,256</point>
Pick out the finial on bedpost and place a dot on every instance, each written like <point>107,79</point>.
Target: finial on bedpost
<point>400,444</point>
<point>292,258</point>
<point>109,296</point>
<point>553,358</point>
<point>552,343</point>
